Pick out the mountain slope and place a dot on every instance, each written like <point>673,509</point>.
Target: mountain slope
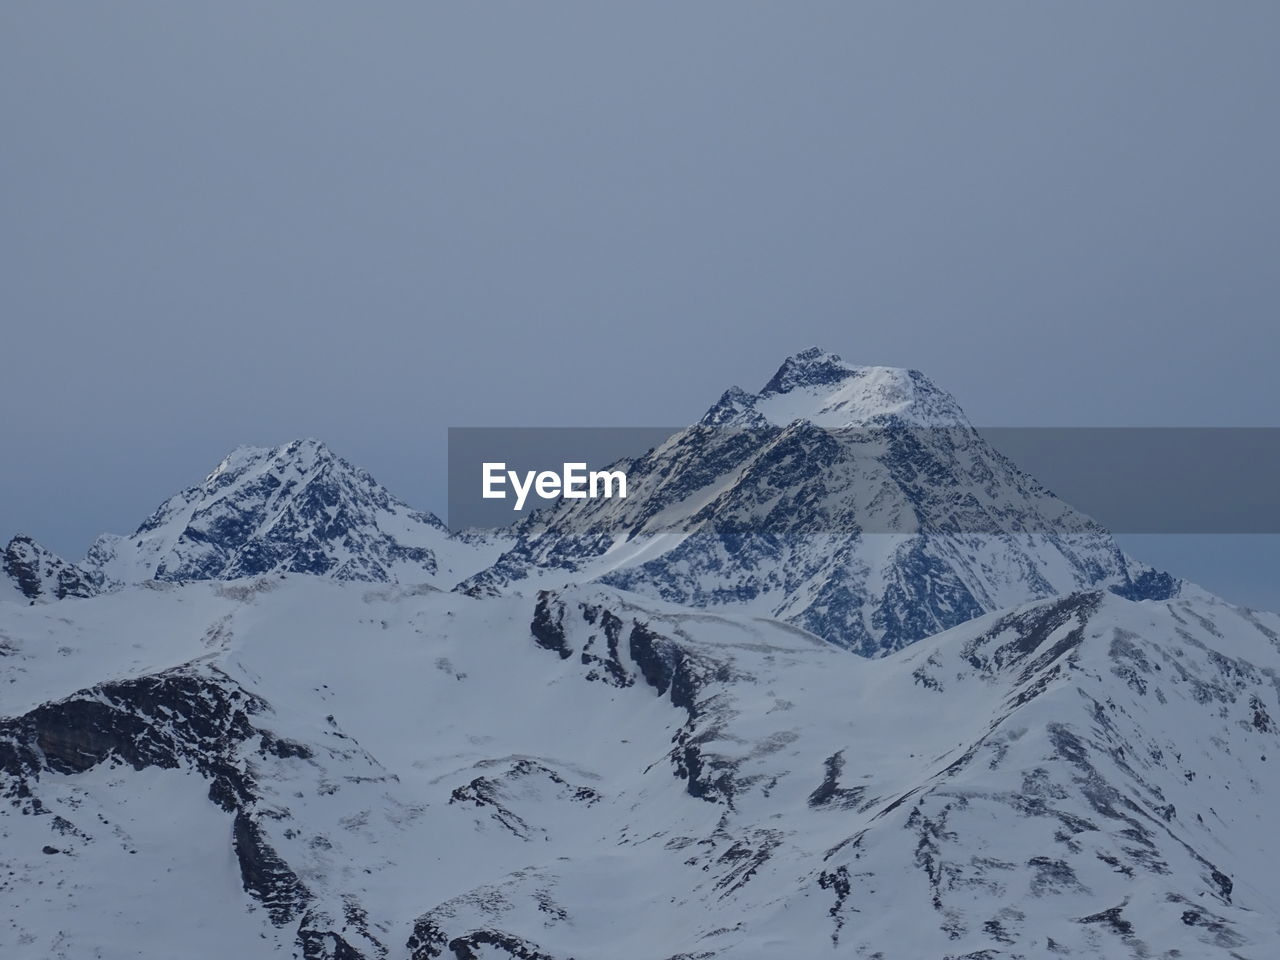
<point>856,502</point>
<point>349,771</point>
<point>35,573</point>
<point>296,508</point>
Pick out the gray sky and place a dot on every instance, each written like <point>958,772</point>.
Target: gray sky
<point>248,222</point>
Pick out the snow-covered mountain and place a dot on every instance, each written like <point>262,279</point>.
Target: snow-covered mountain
<point>296,508</point>
<point>33,572</point>
<point>272,729</point>
<point>306,767</point>
<point>856,502</point>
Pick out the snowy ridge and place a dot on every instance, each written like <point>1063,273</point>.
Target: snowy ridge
<point>297,508</point>
<point>819,387</point>
<point>1081,776</point>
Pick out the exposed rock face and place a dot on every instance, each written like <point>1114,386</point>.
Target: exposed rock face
<point>38,573</point>
<point>164,720</point>
<point>265,876</point>
<point>181,718</point>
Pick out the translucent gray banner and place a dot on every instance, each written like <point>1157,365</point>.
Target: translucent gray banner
<point>885,478</point>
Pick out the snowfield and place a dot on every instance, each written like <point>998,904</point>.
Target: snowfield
<point>794,701</point>
<point>301,766</point>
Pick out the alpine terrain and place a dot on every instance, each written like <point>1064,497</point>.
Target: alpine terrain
<point>839,681</point>
<point>297,508</point>
<point>856,502</point>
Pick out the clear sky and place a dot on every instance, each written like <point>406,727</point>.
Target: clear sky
<point>246,222</point>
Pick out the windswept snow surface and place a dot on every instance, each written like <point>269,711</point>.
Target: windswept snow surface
<point>293,765</point>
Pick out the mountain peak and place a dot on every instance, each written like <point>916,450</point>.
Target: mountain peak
<point>303,455</point>
<point>297,508</point>
<point>814,367</point>
<point>822,388</point>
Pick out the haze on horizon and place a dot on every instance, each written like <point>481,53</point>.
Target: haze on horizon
<point>248,223</point>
